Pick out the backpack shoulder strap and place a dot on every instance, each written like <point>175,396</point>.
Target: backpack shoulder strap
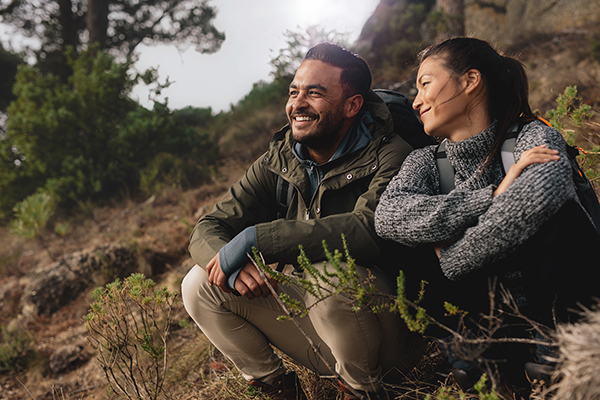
<point>507,150</point>
<point>445,169</point>
<point>283,196</point>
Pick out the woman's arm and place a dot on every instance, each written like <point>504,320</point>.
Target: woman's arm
<point>412,211</point>
<point>535,155</point>
<point>516,213</point>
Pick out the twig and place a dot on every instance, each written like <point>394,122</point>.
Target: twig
<point>25,387</point>
<point>300,328</point>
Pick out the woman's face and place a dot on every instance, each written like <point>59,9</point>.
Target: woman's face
<point>441,99</point>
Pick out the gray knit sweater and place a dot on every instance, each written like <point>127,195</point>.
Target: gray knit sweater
<point>412,211</point>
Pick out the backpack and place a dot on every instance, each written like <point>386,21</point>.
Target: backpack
<point>406,125</point>
<point>583,186</point>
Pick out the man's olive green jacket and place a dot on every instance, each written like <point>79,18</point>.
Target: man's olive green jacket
<point>344,201</point>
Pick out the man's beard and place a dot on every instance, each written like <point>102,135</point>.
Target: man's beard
<point>325,134</point>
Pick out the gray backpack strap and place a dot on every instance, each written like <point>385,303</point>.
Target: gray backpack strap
<point>283,192</point>
<point>507,151</point>
<point>445,169</point>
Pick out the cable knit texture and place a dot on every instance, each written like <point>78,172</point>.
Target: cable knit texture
<point>484,228</point>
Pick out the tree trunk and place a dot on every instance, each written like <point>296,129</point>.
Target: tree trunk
<point>96,21</point>
<point>69,35</point>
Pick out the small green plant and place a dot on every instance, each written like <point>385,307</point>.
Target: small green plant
<point>484,392</point>
<point>62,228</point>
<point>32,215</point>
<point>344,278</point>
<point>566,107</point>
<point>15,350</point>
<point>128,326</point>
<point>572,112</point>
<point>418,322</point>
<point>338,276</point>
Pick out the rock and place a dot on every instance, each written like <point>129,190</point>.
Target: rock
<point>50,289</point>
<point>64,357</point>
<point>501,22</point>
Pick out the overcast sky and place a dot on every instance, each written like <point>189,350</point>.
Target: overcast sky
<point>254,34</point>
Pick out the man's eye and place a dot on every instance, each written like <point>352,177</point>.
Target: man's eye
<point>293,93</point>
<point>314,93</point>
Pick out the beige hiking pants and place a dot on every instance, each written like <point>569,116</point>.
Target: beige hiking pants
<point>361,345</point>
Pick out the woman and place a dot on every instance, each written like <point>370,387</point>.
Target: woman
<point>519,226</point>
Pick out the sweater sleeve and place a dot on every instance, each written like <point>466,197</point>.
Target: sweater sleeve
<point>518,213</point>
<point>412,211</point>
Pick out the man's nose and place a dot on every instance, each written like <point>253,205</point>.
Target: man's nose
<point>301,101</point>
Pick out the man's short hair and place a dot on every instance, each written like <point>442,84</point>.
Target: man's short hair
<point>356,75</point>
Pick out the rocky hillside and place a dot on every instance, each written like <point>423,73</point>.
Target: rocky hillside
<point>45,284</point>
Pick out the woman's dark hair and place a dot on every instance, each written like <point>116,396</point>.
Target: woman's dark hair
<point>504,77</point>
<point>356,75</point>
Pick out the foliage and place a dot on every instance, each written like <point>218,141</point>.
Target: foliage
<point>566,108</point>
<point>15,350</point>
<point>289,58</point>
<point>116,25</point>
<point>128,326</point>
<point>468,342</point>
<point>574,119</point>
<point>87,140</point>
<point>32,215</point>
<point>244,132</point>
<point>481,388</point>
<point>344,278</point>
<point>420,321</point>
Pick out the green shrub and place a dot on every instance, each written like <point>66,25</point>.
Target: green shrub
<point>16,352</point>
<point>86,140</point>
<point>32,215</point>
<point>128,326</point>
<point>574,119</point>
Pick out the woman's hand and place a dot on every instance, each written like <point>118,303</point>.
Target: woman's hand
<point>440,245</point>
<point>536,155</point>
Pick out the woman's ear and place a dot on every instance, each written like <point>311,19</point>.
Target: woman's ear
<point>353,105</point>
<point>474,80</point>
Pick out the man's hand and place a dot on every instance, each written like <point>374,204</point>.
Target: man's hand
<point>250,284</point>
<point>215,274</point>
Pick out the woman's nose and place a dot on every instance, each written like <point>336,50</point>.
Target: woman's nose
<point>417,102</point>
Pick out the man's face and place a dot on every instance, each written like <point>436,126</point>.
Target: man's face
<point>315,108</point>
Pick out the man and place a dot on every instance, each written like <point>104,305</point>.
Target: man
<point>336,156</point>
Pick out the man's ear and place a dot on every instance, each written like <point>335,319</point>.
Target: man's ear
<point>353,105</point>
<point>474,81</point>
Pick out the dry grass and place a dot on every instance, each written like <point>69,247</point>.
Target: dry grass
<point>579,356</point>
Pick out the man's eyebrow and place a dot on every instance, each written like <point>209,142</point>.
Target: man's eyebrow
<point>311,86</point>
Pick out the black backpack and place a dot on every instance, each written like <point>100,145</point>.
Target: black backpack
<point>583,186</point>
<point>406,125</point>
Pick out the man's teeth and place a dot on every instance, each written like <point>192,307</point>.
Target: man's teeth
<point>304,119</point>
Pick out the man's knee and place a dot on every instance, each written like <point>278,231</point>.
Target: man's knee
<point>197,293</point>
